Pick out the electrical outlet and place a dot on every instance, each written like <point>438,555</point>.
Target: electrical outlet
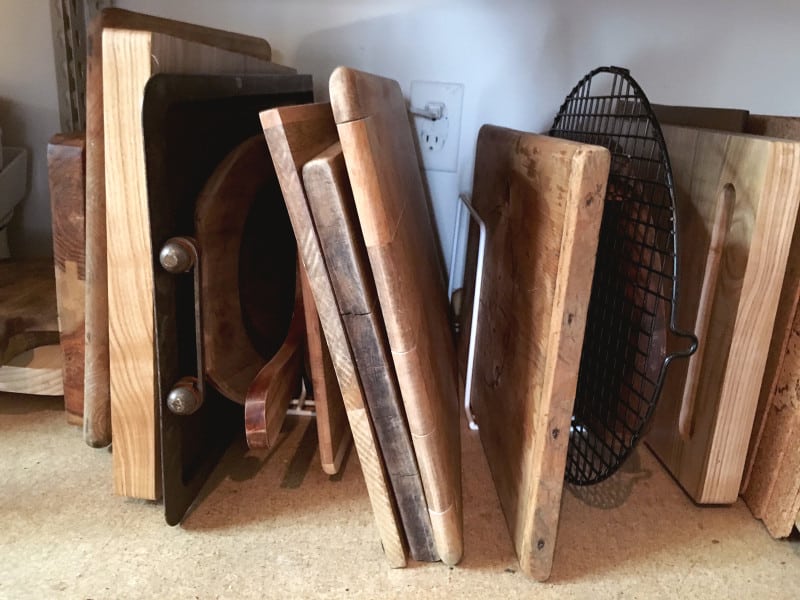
<point>438,138</point>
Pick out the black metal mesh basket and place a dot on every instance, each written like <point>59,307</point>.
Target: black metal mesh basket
<point>635,289</point>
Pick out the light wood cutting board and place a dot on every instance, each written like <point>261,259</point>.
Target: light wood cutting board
<point>395,220</point>
<point>331,201</point>
<point>760,178</point>
<point>542,201</point>
<point>295,135</point>
<point>132,49</point>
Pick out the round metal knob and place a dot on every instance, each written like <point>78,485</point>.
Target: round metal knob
<point>176,256</point>
<point>184,399</point>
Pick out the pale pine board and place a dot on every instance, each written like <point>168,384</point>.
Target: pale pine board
<point>398,232</point>
<point>295,135</point>
<point>129,59</point>
<point>330,199</point>
<point>764,174</point>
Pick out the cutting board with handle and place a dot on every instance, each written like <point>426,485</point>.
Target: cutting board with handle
<point>541,199</point>
<point>395,220</point>
<point>66,169</point>
<point>771,487</point>
<point>737,199</point>
<point>132,49</point>
<point>333,210</point>
<point>295,135</point>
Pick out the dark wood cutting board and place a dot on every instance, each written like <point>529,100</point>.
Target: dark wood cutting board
<point>395,219</point>
<point>331,201</point>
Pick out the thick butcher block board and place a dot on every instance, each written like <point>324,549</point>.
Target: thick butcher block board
<point>395,220</point>
<point>542,201</point>
<point>331,201</point>
<point>66,169</point>
<point>164,46</point>
<point>764,177</point>
<point>130,56</point>
<point>772,481</point>
<point>295,135</point>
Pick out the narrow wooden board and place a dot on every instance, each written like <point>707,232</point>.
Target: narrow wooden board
<point>97,403</point>
<point>733,120</point>
<point>130,57</point>
<point>66,170</point>
<point>333,431</point>
<point>542,201</point>
<point>771,487</point>
<point>295,135</point>
<point>765,177</point>
<point>333,209</point>
<point>395,220</point>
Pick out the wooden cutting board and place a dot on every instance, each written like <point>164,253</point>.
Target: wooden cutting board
<point>541,199</point>
<point>173,47</point>
<point>134,48</point>
<point>395,220</point>
<point>760,180</point>
<point>66,169</point>
<point>295,135</point>
<point>771,485</point>
<point>333,210</point>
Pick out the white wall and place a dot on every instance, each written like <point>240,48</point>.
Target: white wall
<point>29,113</point>
<point>516,58</point>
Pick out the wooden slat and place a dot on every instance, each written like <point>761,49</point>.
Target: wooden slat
<point>395,220</point>
<point>764,176</point>
<point>295,135</point>
<point>542,201</point>
<point>129,58</point>
<point>333,431</point>
<point>66,168</point>
<point>333,209</point>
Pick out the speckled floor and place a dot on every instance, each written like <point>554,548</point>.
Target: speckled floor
<point>256,534</point>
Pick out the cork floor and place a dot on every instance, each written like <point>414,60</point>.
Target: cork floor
<point>272,525</point>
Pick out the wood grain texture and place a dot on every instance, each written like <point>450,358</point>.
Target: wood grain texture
<point>277,382</point>
<point>771,487</point>
<point>29,357</point>
<point>784,128</point>
<point>295,135</point>
<point>765,179</point>
<point>542,201</point>
<point>129,59</point>
<point>66,170</point>
<point>97,418</point>
<point>393,211</point>
<point>333,431</point>
<point>333,210</point>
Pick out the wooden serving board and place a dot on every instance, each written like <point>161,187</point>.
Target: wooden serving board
<point>541,199</point>
<point>398,232</point>
<point>163,46</point>
<point>761,178</point>
<point>771,485</point>
<point>134,48</point>
<point>66,169</point>
<point>333,209</point>
<point>295,135</point>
